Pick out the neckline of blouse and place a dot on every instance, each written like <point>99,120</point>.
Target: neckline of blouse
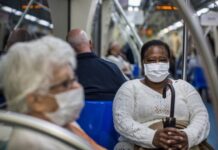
<point>152,91</point>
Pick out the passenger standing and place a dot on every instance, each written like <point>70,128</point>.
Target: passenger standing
<point>101,79</point>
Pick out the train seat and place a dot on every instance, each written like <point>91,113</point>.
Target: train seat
<point>97,121</point>
<point>199,81</point>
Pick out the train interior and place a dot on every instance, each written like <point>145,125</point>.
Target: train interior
<point>130,23</point>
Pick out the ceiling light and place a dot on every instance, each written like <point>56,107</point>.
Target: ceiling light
<point>44,22</point>
<point>27,16</point>
<point>213,4</point>
<point>136,9</point>
<point>165,7</point>
<point>202,11</point>
<point>130,8</point>
<point>7,9</point>
<point>18,13</point>
<point>135,3</point>
<point>30,17</point>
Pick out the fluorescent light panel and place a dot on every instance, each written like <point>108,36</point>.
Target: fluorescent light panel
<point>202,11</point>
<point>44,23</point>
<point>7,9</point>
<point>180,24</point>
<point>130,8</point>
<point>135,3</point>
<point>28,17</point>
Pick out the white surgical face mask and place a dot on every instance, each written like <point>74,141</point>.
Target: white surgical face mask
<point>70,104</point>
<point>156,72</point>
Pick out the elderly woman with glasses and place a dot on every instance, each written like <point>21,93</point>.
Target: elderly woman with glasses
<point>38,79</point>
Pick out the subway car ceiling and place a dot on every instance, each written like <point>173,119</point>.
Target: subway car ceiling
<point>156,17</point>
<point>38,14</point>
<point>159,14</point>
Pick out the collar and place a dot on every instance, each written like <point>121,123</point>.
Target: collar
<point>86,55</point>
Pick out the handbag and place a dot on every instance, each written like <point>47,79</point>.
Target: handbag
<point>179,125</point>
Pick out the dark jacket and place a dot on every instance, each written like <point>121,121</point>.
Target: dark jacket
<point>101,79</point>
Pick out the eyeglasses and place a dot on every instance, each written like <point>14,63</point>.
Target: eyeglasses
<point>64,85</point>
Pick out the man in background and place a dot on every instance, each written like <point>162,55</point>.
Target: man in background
<point>101,79</point>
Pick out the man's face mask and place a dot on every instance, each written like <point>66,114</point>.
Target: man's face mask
<point>70,104</point>
<point>156,72</point>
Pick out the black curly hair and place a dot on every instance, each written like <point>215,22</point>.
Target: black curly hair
<point>148,44</point>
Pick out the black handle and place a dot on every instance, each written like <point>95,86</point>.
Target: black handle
<point>169,122</point>
<point>172,106</point>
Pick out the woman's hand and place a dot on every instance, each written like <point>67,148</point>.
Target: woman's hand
<point>170,139</point>
<point>162,139</point>
<point>183,140</point>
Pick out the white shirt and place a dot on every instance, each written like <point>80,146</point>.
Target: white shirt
<point>136,106</point>
<point>120,62</point>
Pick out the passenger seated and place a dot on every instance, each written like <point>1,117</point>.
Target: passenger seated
<point>139,108</point>
<point>114,55</point>
<point>101,79</point>
<point>38,80</point>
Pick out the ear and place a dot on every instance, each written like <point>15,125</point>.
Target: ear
<point>142,70</point>
<point>30,98</point>
<point>34,102</point>
<point>90,45</point>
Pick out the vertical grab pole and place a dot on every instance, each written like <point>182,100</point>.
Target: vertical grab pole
<point>203,49</point>
<point>185,48</point>
<point>99,27</point>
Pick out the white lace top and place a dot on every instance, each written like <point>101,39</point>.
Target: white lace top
<point>136,106</point>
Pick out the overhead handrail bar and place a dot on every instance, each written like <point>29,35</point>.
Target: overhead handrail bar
<point>204,50</point>
<point>21,120</point>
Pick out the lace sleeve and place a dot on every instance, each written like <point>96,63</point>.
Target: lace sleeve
<point>123,112</point>
<point>199,126</point>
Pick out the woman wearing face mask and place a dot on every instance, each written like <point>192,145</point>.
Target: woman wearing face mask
<point>139,108</point>
<point>38,80</point>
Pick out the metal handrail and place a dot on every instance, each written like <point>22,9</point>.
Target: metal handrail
<point>136,39</point>
<point>54,131</point>
<point>126,37</point>
<point>185,48</point>
<point>23,15</point>
<point>121,11</point>
<point>204,50</point>
<point>91,17</point>
<point>132,44</point>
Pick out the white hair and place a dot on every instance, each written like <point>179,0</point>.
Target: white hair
<point>28,67</point>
